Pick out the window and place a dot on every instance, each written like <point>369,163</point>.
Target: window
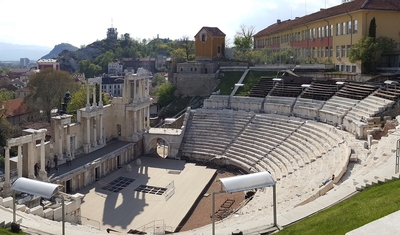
<point>322,32</point>
<point>326,52</point>
<point>348,50</point>
<point>349,28</point>
<point>338,29</point>
<point>330,51</point>
<point>302,35</point>
<point>331,30</point>
<point>322,52</point>
<point>219,49</point>
<point>338,51</point>
<point>327,31</point>
<point>318,52</point>
<point>319,32</point>
<point>313,35</point>
<point>344,28</point>
<point>203,37</point>
<point>343,51</point>
<point>355,28</point>
<point>342,67</point>
<point>347,68</point>
<point>353,69</point>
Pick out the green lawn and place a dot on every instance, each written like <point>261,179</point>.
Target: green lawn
<point>228,82</point>
<point>369,205</point>
<point>251,79</point>
<point>4,231</point>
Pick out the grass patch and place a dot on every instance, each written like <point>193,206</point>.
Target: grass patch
<point>365,207</point>
<point>6,231</point>
<point>251,79</point>
<point>228,82</point>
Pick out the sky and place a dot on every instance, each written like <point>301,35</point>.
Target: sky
<point>48,22</point>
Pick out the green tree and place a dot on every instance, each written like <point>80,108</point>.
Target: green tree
<point>158,79</point>
<point>368,50</point>
<point>47,88</point>
<point>372,29</point>
<point>89,69</point>
<point>188,46</point>
<point>6,95</point>
<point>78,98</point>
<point>243,42</point>
<point>165,93</point>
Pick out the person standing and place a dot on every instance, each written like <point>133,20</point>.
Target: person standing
<point>48,166</point>
<point>36,169</point>
<point>55,159</point>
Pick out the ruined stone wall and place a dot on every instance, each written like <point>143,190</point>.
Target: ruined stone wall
<point>195,84</point>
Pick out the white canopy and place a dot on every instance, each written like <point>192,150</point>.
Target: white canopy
<point>247,182</point>
<point>35,187</point>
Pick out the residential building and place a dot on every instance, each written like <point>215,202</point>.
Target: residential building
<point>209,44</point>
<point>148,63</point>
<point>329,34</point>
<point>113,85</point>
<point>24,62</point>
<point>48,64</point>
<point>22,92</point>
<point>115,68</point>
<point>17,112</point>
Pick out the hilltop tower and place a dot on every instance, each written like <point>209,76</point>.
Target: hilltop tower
<point>112,33</point>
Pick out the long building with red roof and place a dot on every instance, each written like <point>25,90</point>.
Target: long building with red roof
<point>329,34</point>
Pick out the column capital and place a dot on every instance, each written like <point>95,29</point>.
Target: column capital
<point>6,147</point>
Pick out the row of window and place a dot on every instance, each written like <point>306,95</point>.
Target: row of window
<point>350,27</point>
<point>323,52</point>
<point>104,87</point>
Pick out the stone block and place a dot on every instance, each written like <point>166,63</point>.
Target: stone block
<point>37,210</point>
<point>48,214</point>
<point>21,208</point>
<point>7,202</point>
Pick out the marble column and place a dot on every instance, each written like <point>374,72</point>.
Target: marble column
<point>68,140</point>
<point>6,186</point>
<point>148,116</point>
<point>135,121</point>
<point>94,96</point>
<point>31,161</point>
<point>101,130</point>
<point>87,97</point>
<point>100,95</point>
<point>134,89</point>
<point>88,131</point>
<point>42,172</point>
<point>19,164</point>
<point>60,141</point>
<point>94,133</point>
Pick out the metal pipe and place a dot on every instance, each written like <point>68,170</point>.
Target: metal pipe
<point>63,215</point>
<point>274,202</point>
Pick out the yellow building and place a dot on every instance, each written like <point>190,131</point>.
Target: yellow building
<point>328,35</point>
<point>209,43</point>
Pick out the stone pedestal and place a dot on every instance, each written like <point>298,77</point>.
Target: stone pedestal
<point>86,148</point>
<point>7,192</point>
<point>43,175</point>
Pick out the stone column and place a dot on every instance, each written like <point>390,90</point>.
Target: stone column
<point>19,164</point>
<point>60,141</point>
<point>87,97</point>
<point>148,116</point>
<point>94,96</point>
<point>42,172</point>
<point>100,95</point>
<point>101,130</point>
<point>94,133</point>
<point>88,131</point>
<point>31,161</point>
<point>134,89</point>
<point>68,140</point>
<point>135,121</point>
<point>7,185</point>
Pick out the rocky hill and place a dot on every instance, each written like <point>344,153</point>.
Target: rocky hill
<point>58,49</point>
<point>69,60</point>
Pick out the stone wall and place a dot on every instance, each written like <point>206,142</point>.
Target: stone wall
<point>195,84</point>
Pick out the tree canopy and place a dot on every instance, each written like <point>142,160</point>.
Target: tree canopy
<point>47,88</point>
<point>165,93</point>
<point>368,50</point>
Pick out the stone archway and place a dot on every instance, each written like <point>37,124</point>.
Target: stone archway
<point>158,146</point>
<point>170,138</point>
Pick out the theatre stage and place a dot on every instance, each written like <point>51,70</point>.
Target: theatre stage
<point>133,206</point>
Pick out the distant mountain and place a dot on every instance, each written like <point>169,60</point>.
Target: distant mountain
<point>58,49</point>
<point>13,52</point>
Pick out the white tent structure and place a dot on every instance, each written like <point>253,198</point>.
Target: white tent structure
<point>38,188</point>
<point>245,182</point>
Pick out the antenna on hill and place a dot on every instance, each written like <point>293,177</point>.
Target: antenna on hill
<point>111,22</point>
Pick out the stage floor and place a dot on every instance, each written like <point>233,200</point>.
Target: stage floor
<point>157,193</point>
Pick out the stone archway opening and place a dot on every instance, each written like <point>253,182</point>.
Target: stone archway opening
<point>159,147</point>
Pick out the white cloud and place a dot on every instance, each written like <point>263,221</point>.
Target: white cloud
<point>47,22</point>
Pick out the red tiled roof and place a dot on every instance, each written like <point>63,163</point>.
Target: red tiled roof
<point>383,5</point>
<point>213,31</point>
<point>19,70</point>
<point>15,107</point>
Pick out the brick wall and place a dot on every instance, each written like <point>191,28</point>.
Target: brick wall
<point>195,84</point>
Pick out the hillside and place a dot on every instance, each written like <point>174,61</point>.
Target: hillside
<point>58,49</point>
